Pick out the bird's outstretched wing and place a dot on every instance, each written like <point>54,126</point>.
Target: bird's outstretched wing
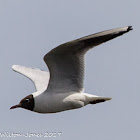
<point>66,62</point>
<point>38,77</point>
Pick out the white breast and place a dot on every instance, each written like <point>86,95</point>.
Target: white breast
<point>52,103</point>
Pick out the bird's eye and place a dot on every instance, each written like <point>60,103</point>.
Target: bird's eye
<point>27,100</point>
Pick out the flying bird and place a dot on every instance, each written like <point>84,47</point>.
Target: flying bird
<point>61,88</point>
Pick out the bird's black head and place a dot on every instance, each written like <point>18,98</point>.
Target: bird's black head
<point>26,103</point>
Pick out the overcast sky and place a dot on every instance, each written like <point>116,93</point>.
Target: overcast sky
<point>29,29</point>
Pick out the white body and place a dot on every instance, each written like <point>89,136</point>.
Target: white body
<point>61,102</point>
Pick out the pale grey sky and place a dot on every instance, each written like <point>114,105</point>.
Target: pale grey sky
<point>29,29</point>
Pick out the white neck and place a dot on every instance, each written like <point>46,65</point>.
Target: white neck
<point>37,93</point>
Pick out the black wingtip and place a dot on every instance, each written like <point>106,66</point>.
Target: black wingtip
<point>129,28</point>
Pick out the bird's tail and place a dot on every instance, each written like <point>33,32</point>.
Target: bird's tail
<point>96,100</point>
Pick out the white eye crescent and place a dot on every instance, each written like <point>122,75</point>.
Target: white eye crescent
<point>27,100</point>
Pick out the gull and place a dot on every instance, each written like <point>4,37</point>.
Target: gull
<point>62,88</point>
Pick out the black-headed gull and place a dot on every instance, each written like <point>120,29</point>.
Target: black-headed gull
<point>62,88</point>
